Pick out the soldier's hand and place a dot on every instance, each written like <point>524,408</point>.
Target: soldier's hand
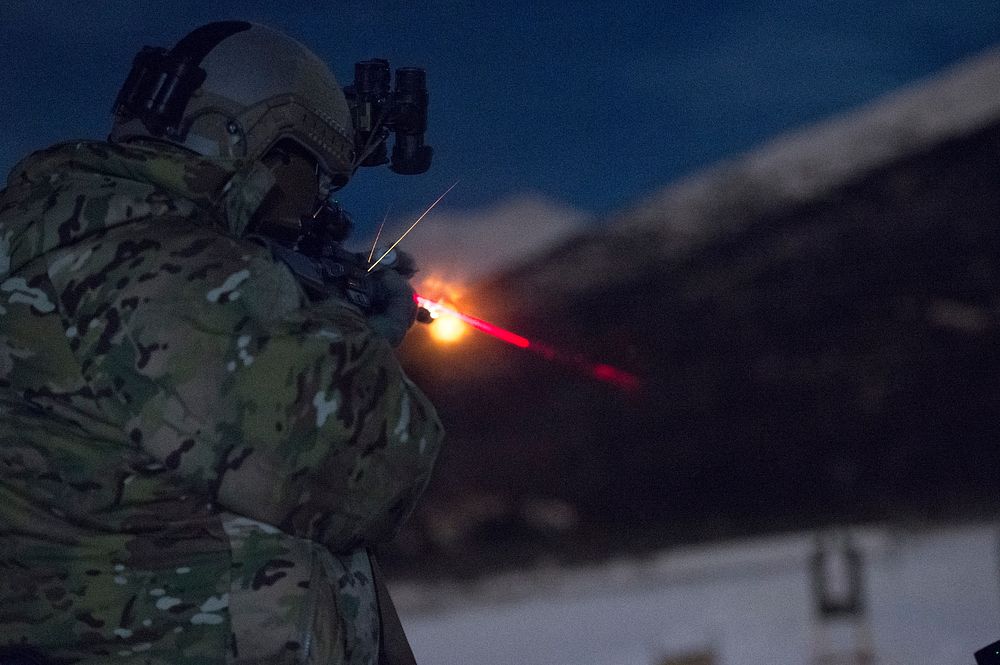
<point>399,309</point>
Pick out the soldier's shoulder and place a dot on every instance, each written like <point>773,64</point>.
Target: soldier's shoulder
<point>45,160</point>
<point>197,265</point>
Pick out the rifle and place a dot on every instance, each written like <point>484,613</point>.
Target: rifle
<point>325,269</point>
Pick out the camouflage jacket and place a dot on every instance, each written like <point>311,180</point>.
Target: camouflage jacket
<point>192,456</point>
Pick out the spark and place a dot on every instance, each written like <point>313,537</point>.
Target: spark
<point>378,234</point>
<point>400,239</point>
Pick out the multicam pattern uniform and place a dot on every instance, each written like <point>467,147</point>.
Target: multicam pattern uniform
<point>184,440</point>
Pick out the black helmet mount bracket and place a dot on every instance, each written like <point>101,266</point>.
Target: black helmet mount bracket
<point>161,82</point>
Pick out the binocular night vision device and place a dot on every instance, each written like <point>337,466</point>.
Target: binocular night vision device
<point>376,111</point>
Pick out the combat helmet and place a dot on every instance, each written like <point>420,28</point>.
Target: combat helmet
<point>235,90</point>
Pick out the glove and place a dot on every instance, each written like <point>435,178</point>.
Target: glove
<point>398,307</point>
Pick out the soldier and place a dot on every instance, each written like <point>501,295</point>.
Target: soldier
<point>195,455</point>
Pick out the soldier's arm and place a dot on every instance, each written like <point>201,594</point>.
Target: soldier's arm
<point>297,416</point>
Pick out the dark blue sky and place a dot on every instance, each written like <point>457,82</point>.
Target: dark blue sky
<point>592,103</point>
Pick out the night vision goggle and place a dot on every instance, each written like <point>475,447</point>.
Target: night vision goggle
<point>375,111</point>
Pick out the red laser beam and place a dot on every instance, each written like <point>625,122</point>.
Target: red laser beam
<point>600,371</point>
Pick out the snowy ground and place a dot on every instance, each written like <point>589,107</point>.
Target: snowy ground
<point>933,598</point>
